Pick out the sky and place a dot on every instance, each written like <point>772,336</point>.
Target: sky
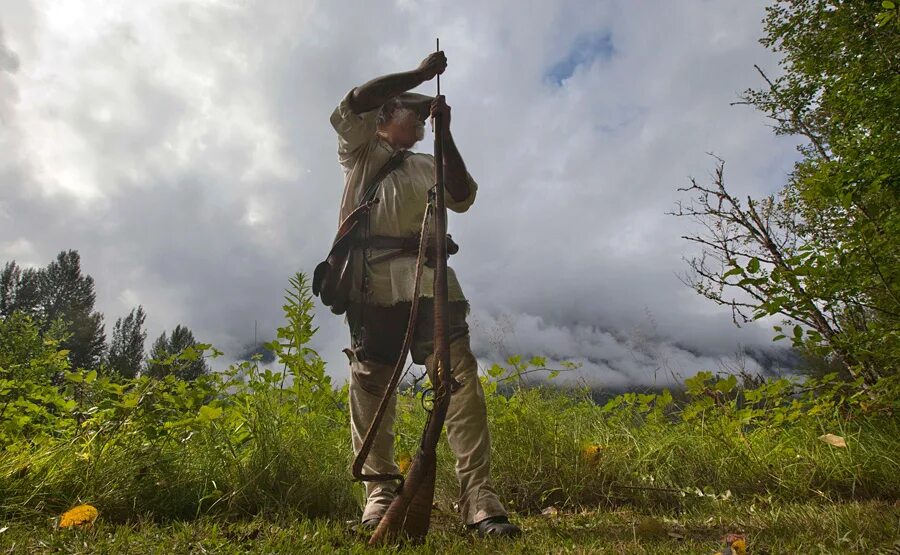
<point>184,148</point>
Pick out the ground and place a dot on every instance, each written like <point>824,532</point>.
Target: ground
<point>769,528</point>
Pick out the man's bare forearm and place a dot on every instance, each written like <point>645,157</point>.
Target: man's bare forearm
<point>455,173</point>
<point>381,89</point>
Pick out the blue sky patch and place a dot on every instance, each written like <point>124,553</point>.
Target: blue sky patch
<point>584,51</point>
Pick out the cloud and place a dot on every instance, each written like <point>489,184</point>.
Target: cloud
<point>9,60</point>
<point>608,358</point>
<point>183,147</point>
<point>583,52</point>
<point>9,94</point>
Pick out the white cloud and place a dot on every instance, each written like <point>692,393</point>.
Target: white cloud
<point>183,147</point>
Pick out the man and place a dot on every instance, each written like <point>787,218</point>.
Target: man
<point>373,122</point>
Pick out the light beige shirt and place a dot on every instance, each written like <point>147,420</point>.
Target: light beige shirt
<point>402,198</point>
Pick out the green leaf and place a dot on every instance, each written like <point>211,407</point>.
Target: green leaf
<point>697,383</point>
<point>538,361</point>
<point>130,400</point>
<point>847,199</point>
<point>495,371</point>
<point>208,413</point>
<point>888,5</point>
<point>726,385</point>
<point>884,18</point>
<point>753,266</point>
<point>190,354</point>
<point>91,376</point>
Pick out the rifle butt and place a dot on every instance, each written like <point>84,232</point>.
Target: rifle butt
<point>409,514</point>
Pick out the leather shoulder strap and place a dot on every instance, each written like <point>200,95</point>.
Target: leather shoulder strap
<point>392,164</point>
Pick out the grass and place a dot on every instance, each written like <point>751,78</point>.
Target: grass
<point>540,438</point>
<point>294,462</point>
<point>646,486</point>
<point>240,462</point>
<point>773,528</point>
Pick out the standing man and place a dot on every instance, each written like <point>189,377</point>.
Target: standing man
<point>373,122</point>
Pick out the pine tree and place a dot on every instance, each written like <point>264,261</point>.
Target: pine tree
<point>58,292</point>
<point>68,295</point>
<point>19,290</point>
<point>181,339</point>
<point>164,347</point>
<point>158,353</point>
<point>126,349</point>
<point>9,284</point>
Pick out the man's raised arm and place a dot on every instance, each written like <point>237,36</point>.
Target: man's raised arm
<point>381,89</point>
<point>457,178</point>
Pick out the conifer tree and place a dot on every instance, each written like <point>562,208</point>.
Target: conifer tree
<point>58,293</point>
<point>67,295</point>
<point>165,346</point>
<point>126,349</point>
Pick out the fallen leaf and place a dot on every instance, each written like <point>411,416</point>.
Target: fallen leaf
<point>78,516</point>
<point>591,453</point>
<point>832,439</point>
<point>735,544</point>
<point>650,527</point>
<point>550,511</point>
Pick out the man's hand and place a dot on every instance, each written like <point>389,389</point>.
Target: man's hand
<point>457,182</point>
<point>376,92</point>
<point>439,107</point>
<point>434,64</point>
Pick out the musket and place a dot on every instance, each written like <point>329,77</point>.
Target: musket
<point>410,511</point>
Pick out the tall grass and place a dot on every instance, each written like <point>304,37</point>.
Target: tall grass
<point>551,447</point>
<point>277,455</point>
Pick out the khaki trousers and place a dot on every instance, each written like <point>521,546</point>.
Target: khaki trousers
<point>466,422</point>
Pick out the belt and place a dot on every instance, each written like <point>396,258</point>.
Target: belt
<point>404,246</point>
<point>388,242</point>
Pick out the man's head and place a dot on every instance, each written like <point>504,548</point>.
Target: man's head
<point>400,125</point>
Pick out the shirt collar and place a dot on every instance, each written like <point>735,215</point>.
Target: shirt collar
<point>386,145</point>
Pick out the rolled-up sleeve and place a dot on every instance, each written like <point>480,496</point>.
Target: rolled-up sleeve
<point>354,130</point>
<point>462,205</point>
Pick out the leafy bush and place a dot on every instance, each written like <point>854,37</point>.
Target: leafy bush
<point>30,405</point>
<point>243,441</point>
